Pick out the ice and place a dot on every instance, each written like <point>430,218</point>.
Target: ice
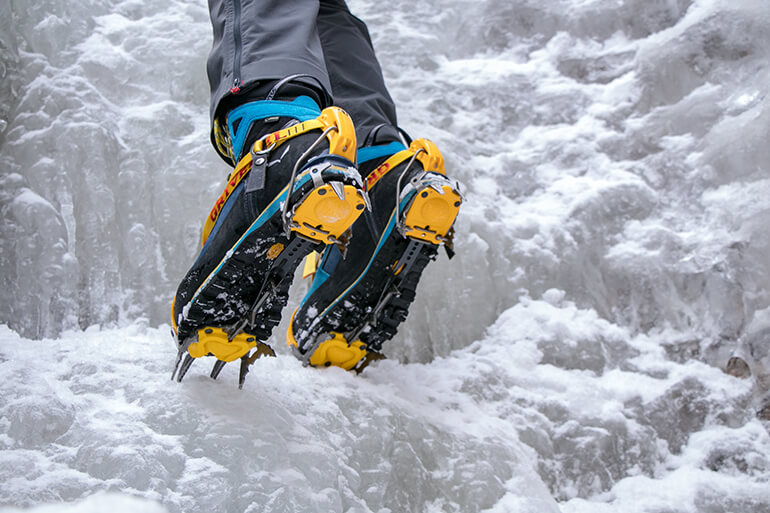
<point>612,258</point>
<point>97,503</point>
<point>498,425</point>
<point>295,438</point>
<point>85,138</point>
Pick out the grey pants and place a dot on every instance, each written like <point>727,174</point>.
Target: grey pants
<point>259,40</point>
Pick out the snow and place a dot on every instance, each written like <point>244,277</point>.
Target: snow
<point>612,256</point>
<point>98,503</point>
<point>108,421</point>
<point>508,422</point>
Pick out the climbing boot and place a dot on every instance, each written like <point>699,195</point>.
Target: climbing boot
<point>294,189</point>
<point>360,294</point>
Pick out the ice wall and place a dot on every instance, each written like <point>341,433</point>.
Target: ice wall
<point>105,164</point>
<point>614,152</point>
<point>612,255</point>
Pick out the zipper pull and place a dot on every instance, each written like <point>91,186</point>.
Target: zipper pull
<point>236,86</point>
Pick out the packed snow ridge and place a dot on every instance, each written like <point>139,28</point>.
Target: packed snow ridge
<point>599,344</point>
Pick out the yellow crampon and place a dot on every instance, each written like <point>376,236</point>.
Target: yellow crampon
<point>336,351</point>
<point>327,212</point>
<point>432,213</point>
<point>335,215</point>
<point>216,342</point>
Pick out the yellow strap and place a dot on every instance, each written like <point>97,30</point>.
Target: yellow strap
<point>244,166</point>
<point>342,141</point>
<point>430,158</point>
<point>386,166</point>
<point>281,136</point>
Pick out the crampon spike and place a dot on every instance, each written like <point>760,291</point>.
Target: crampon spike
<point>184,367</point>
<point>244,370</point>
<point>176,365</point>
<point>371,356</point>
<point>218,366</point>
<point>262,349</point>
<point>339,190</point>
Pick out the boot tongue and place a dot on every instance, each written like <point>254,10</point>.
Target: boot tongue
<point>244,129</point>
<point>254,120</point>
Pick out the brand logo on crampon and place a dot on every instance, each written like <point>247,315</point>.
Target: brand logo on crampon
<point>273,138</point>
<point>287,133</point>
<point>375,175</point>
<point>235,179</point>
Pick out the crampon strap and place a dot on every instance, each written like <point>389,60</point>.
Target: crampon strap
<point>427,153</point>
<point>342,141</point>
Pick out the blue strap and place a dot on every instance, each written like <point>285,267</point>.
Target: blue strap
<point>301,108</point>
<point>384,150</point>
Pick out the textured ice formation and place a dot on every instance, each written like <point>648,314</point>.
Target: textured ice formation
<point>97,503</point>
<point>504,425</point>
<point>618,161</point>
<point>296,439</point>
<point>612,258</point>
<point>107,131</point>
<point>612,151</point>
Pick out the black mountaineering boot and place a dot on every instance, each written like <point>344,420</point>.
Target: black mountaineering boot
<point>294,189</point>
<point>358,297</point>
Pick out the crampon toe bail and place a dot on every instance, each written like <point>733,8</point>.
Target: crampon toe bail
<point>334,350</point>
<point>331,208</point>
<point>214,341</point>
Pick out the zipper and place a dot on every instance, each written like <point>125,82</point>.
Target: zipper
<point>237,43</point>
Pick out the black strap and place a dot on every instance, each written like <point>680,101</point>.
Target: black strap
<point>256,179</point>
<point>372,135</point>
<point>290,78</point>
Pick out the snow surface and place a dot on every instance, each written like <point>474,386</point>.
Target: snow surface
<point>613,255</point>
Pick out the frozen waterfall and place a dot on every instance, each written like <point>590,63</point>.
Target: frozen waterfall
<point>613,255</point>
